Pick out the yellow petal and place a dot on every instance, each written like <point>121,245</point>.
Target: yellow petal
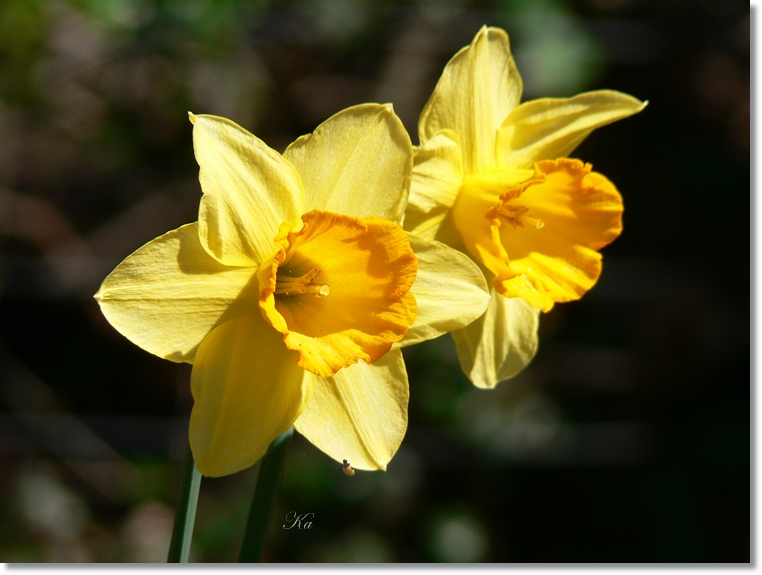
<point>169,294</point>
<point>551,128</point>
<point>582,212</point>
<point>247,390</point>
<point>479,87</point>
<point>450,291</point>
<point>249,189</point>
<point>358,163</point>
<point>359,414</point>
<point>367,267</point>
<point>499,344</point>
<point>437,178</point>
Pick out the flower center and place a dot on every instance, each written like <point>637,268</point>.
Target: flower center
<point>288,285</point>
<point>496,215</point>
<point>365,265</point>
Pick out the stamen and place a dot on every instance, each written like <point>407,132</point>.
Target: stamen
<point>515,215</point>
<point>536,222</point>
<point>511,214</point>
<point>286,285</point>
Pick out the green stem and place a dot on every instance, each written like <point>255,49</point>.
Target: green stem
<point>270,473</point>
<point>185,514</point>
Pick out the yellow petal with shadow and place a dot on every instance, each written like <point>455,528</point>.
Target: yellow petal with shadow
<point>359,414</point>
<point>436,182</point>
<point>249,189</point>
<point>247,390</point>
<point>359,302</point>
<point>552,127</point>
<point>450,291</point>
<point>357,162</point>
<point>478,88</point>
<point>500,343</point>
<point>169,294</point>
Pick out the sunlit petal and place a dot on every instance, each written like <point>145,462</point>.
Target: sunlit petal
<point>450,291</point>
<point>249,189</point>
<point>170,293</point>
<point>551,128</point>
<point>499,344</point>
<point>479,87</point>
<point>247,390</point>
<point>437,178</point>
<point>358,163</point>
<point>359,414</point>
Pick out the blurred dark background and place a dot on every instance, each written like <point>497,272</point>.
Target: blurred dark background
<point>628,437</point>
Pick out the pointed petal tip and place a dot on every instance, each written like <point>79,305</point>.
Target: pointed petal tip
<point>481,36</point>
<point>376,465</point>
<point>191,117</point>
<point>485,31</point>
<point>641,104</point>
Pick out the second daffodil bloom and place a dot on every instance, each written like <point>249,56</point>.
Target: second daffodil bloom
<point>492,177</point>
<point>293,292</point>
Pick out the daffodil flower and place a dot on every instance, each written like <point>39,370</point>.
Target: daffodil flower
<point>294,291</point>
<point>492,178</point>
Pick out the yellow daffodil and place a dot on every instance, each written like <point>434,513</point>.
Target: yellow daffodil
<point>492,178</point>
<point>293,292</point>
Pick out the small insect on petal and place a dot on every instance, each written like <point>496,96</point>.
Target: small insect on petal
<point>348,468</point>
